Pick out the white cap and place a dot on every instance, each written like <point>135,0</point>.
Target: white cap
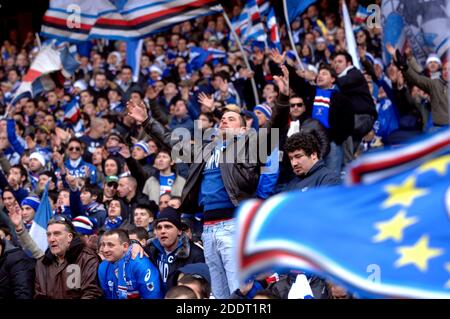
<point>155,68</point>
<point>38,156</point>
<point>312,68</point>
<point>81,84</point>
<point>378,61</point>
<point>321,40</point>
<point>434,58</point>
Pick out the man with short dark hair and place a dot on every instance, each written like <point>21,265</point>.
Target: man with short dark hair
<point>75,164</point>
<point>333,110</point>
<point>171,249</point>
<point>128,191</point>
<point>122,277</point>
<point>126,85</point>
<point>216,187</point>
<point>143,216</point>
<point>352,83</point>
<point>84,202</point>
<point>304,153</point>
<point>139,234</point>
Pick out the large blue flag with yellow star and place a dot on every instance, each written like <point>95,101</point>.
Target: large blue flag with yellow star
<point>388,238</point>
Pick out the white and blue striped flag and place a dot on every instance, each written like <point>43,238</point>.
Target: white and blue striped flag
<point>43,214</point>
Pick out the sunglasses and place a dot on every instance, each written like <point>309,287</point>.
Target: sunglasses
<point>112,185</point>
<point>58,219</point>
<point>297,104</point>
<point>74,149</point>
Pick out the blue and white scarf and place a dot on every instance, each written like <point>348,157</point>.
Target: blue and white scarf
<point>321,106</point>
<point>113,222</point>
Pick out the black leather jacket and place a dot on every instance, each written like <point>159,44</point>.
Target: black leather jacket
<point>240,179</point>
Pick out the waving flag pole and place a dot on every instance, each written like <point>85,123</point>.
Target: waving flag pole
<point>291,39</point>
<point>350,36</point>
<point>244,55</point>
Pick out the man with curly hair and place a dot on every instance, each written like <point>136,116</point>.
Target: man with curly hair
<point>310,170</point>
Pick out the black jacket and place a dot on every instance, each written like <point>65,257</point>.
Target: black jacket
<point>16,273</point>
<point>354,86</point>
<point>341,115</point>
<point>319,175</point>
<point>240,179</point>
<point>187,253</point>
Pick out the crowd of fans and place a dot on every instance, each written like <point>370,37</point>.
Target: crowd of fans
<point>140,222</point>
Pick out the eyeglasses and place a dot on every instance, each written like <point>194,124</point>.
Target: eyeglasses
<point>74,149</point>
<point>297,104</point>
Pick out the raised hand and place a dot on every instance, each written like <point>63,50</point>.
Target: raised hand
<point>152,93</point>
<point>58,158</point>
<point>391,50</point>
<point>124,151</point>
<point>283,81</point>
<point>72,182</point>
<point>207,101</point>
<point>9,111</point>
<point>277,57</point>
<point>87,172</point>
<point>64,136</point>
<point>15,215</point>
<point>137,112</point>
<point>31,144</point>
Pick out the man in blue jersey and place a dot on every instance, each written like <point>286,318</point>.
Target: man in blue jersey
<point>120,276</point>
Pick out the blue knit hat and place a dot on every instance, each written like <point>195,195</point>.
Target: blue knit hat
<point>265,109</point>
<point>32,201</point>
<point>142,145</point>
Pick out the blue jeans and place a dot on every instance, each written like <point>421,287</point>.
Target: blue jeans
<point>335,158</point>
<point>219,248</point>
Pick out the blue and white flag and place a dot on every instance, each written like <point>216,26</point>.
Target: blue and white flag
<point>255,29</point>
<point>199,56</point>
<point>274,33</point>
<point>72,115</point>
<point>350,36</point>
<point>264,7</point>
<point>423,25</point>
<point>386,238</point>
<point>43,214</point>
<point>133,56</point>
<point>361,15</point>
<point>81,20</point>
<point>52,57</point>
<point>297,7</point>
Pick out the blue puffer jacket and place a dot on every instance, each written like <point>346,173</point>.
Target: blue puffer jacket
<point>130,279</point>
